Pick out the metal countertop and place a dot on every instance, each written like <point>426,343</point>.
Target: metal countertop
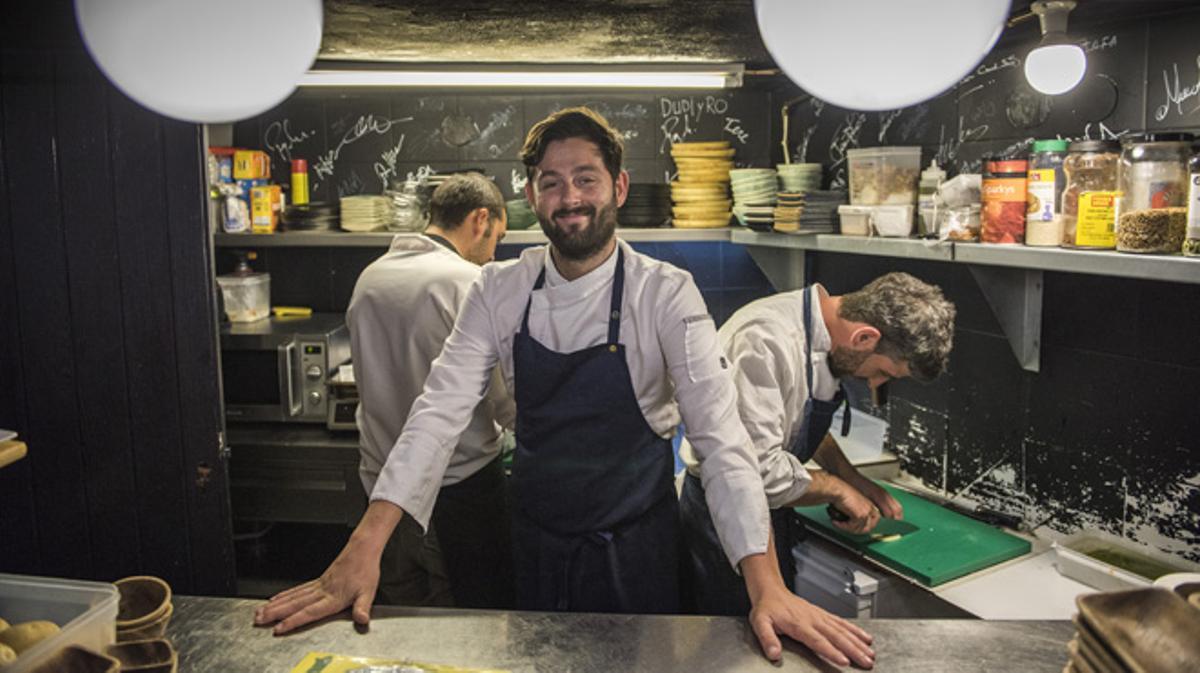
<point>217,634</point>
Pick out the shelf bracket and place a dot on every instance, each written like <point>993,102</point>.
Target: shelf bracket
<point>1015,296</point>
<point>784,267</point>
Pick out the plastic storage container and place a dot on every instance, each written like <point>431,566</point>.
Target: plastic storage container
<point>1043,221</point>
<point>86,613</point>
<point>1153,178</point>
<point>931,179</point>
<point>247,294</point>
<point>884,176</point>
<point>891,221</point>
<point>855,220</point>
<point>1089,199</point>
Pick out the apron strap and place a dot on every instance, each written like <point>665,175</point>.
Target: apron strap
<point>841,395</point>
<point>618,291</point>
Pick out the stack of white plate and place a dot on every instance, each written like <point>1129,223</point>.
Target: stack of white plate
<point>701,191</point>
<point>366,212</point>
<point>799,177</point>
<point>754,191</point>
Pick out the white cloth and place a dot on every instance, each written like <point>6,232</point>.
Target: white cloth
<point>403,308</point>
<point>674,361</point>
<point>764,341</point>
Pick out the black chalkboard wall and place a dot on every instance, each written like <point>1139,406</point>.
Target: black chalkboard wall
<point>357,142</point>
<point>1141,75</point>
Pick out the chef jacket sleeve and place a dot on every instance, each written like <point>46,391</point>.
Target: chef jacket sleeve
<point>762,372</point>
<point>707,401</point>
<point>457,382</point>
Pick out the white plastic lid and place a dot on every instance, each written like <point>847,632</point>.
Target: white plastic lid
<point>883,151</point>
<point>232,280</point>
<point>933,173</point>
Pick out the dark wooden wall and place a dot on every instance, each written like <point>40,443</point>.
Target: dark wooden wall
<point>107,325</point>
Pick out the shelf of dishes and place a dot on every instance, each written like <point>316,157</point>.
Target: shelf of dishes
<point>300,239</point>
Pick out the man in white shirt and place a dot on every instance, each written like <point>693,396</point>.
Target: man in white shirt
<point>788,353</point>
<point>403,308</point>
<point>605,350</point>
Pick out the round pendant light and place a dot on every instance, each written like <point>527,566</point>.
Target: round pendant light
<point>878,54</point>
<point>205,62</point>
<point>1057,64</point>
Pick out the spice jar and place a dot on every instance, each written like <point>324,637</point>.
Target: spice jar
<point>1089,198</point>
<point>1153,178</point>
<point>1003,214</point>
<point>1043,221</point>
<point>1191,246</point>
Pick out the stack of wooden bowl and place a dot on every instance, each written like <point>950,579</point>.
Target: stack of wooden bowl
<point>701,190</point>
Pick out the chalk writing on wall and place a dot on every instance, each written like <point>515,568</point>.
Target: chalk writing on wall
<point>1178,93</point>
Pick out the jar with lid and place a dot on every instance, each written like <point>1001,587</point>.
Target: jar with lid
<point>1002,219</point>
<point>1043,221</point>
<point>1191,246</point>
<point>1089,198</point>
<point>1153,178</point>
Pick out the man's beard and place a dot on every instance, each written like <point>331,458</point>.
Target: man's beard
<point>844,361</point>
<point>585,241</point>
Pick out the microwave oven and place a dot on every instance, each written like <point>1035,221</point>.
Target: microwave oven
<point>277,369</point>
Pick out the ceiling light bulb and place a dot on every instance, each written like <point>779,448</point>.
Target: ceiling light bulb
<point>1054,69</point>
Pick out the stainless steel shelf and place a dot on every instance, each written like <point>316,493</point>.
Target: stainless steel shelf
<point>1174,268</point>
<point>299,239</point>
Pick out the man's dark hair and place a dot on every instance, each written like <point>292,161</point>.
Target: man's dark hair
<point>915,322</point>
<point>574,122</point>
<point>461,194</point>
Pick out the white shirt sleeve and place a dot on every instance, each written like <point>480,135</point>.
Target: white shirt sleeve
<point>707,402</point>
<point>457,382</point>
<point>763,372</point>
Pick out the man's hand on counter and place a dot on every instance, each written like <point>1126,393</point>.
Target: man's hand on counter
<point>778,611</point>
<point>350,581</point>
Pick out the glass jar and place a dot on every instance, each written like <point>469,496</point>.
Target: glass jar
<point>1002,219</point>
<point>1153,177</point>
<point>1043,220</point>
<point>1191,246</point>
<point>1089,198</point>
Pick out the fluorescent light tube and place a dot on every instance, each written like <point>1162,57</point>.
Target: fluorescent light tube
<point>716,78</point>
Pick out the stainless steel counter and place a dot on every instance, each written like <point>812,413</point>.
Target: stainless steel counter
<point>217,634</point>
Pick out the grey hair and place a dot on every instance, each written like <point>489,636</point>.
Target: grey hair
<point>914,319</point>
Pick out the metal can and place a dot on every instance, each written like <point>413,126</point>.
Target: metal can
<point>1004,200</point>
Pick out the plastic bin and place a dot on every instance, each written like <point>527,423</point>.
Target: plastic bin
<point>247,297</point>
<point>891,221</point>
<point>864,444</point>
<point>884,176</point>
<point>85,611</point>
<point>856,220</point>
<point>1086,557</point>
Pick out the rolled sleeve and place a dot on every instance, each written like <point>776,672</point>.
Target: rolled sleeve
<point>458,380</point>
<point>707,402</point>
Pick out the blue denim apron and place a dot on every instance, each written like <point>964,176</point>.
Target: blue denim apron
<point>714,588</point>
<point>595,521</point>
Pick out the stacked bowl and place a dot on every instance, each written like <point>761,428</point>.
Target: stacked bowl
<point>754,196</point>
<point>700,192</point>
<point>799,177</point>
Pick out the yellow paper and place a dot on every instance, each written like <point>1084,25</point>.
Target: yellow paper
<point>326,662</point>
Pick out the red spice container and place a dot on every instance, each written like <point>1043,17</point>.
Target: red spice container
<point>1004,206</point>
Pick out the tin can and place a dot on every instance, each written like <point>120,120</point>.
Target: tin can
<point>1004,200</point>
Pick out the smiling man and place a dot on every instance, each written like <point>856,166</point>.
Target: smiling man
<point>605,351</point>
<point>789,353</point>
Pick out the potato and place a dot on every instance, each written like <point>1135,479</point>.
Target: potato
<point>21,637</point>
<point>7,655</point>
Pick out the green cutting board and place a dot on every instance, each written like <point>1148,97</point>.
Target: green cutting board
<point>935,545</point>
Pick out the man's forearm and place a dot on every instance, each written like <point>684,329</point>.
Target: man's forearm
<point>822,490</point>
<point>761,571</point>
<point>376,526</point>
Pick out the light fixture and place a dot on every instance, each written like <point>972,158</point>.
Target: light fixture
<point>1056,65</point>
<point>585,76</point>
<point>206,62</point>
<point>878,54</point>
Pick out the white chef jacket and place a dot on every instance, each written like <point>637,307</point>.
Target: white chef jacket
<point>403,308</point>
<point>764,341</point>
<point>674,361</point>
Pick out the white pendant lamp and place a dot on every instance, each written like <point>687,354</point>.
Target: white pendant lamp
<point>1056,65</point>
<point>205,62</point>
<point>878,54</point>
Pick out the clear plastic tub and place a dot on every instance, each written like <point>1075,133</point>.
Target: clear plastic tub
<point>86,613</point>
<point>856,220</point>
<point>247,297</point>
<point>884,176</point>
